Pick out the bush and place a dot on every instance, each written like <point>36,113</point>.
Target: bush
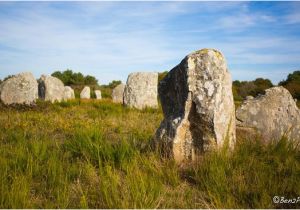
<point>71,78</point>
<point>112,84</point>
<point>292,83</point>
<point>247,88</point>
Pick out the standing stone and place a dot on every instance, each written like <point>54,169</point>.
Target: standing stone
<point>141,90</point>
<point>19,89</point>
<point>197,102</point>
<point>271,115</point>
<point>117,93</point>
<point>51,88</point>
<point>98,94</point>
<point>68,93</point>
<point>85,93</point>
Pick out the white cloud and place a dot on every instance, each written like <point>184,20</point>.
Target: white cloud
<point>244,20</point>
<point>111,39</point>
<point>56,42</point>
<point>293,18</point>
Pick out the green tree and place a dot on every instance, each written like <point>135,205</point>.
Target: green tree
<point>292,83</point>
<point>235,93</point>
<point>77,79</point>
<point>114,83</point>
<point>293,77</point>
<point>68,77</point>
<point>60,76</point>
<point>260,86</point>
<point>90,80</point>
<point>241,89</point>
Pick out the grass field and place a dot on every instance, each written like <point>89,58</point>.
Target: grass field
<point>88,154</point>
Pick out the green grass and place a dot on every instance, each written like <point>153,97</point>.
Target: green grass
<point>96,154</point>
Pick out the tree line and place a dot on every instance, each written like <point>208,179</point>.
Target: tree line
<point>241,89</point>
<point>292,83</point>
<point>68,77</point>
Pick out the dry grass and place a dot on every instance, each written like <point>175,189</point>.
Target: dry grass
<point>89,154</point>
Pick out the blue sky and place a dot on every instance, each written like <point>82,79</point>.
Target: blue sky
<point>111,39</point>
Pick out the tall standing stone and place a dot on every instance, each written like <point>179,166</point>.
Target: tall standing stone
<point>141,90</point>
<point>85,93</point>
<point>272,115</point>
<point>98,94</point>
<point>51,88</point>
<point>198,107</point>
<point>19,89</point>
<point>117,93</point>
<point>68,93</point>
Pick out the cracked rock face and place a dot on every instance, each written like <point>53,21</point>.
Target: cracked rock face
<point>141,90</point>
<point>51,88</point>
<point>271,115</point>
<point>85,93</point>
<point>68,93</point>
<point>98,94</point>
<point>117,93</point>
<point>19,89</point>
<point>198,107</point>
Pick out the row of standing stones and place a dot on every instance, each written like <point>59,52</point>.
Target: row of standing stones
<point>23,88</point>
<point>197,103</point>
<point>199,111</point>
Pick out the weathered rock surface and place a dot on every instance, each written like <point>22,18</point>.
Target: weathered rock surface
<point>68,93</point>
<point>51,88</point>
<point>198,107</point>
<point>141,90</point>
<point>117,93</point>
<point>19,89</point>
<point>85,93</point>
<point>271,115</point>
<point>98,94</point>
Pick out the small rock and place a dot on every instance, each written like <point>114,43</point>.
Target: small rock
<point>68,93</point>
<point>117,93</point>
<point>98,94</point>
<point>85,93</point>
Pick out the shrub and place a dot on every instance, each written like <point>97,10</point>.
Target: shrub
<point>71,78</point>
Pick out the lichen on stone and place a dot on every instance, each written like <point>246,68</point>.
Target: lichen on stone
<point>199,91</point>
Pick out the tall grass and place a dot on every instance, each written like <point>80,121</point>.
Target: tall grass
<point>251,176</point>
<point>96,154</point>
